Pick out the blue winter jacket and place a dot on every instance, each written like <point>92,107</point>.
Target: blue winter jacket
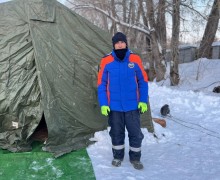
<point>122,84</point>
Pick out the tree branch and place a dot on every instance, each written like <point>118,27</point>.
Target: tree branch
<point>133,26</point>
<point>191,8</point>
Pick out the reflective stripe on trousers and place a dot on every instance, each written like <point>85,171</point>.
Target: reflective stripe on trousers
<point>135,149</point>
<point>119,147</point>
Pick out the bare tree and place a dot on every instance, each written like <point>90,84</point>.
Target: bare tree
<point>113,27</point>
<point>104,18</point>
<point>124,7</point>
<point>174,73</point>
<point>161,25</point>
<point>155,45</point>
<point>210,31</point>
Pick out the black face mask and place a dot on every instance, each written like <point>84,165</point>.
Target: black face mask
<point>120,53</point>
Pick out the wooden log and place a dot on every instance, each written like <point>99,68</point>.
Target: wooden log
<point>162,122</point>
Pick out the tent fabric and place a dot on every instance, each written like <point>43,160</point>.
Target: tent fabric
<point>42,10</point>
<point>146,120</point>
<point>66,57</point>
<point>20,108</point>
<point>48,64</point>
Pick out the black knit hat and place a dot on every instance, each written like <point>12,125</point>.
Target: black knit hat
<point>119,36</point>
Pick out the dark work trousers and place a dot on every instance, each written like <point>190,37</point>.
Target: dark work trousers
<point>131,120</point>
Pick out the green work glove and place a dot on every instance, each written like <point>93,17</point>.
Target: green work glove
<point>143,107</point>
<point>105,110</point>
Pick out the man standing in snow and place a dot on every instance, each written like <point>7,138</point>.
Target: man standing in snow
<point>123,95</point>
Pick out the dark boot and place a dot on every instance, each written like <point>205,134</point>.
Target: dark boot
<point>137,165</point>
<point>116,162</point>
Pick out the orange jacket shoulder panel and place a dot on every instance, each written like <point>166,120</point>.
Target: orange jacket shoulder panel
<point>105,60</point>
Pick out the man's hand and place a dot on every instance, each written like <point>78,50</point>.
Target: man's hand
<point>105,110</point>
<point>142,107</point>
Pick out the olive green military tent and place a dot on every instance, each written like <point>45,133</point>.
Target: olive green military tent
<point>48,65</point>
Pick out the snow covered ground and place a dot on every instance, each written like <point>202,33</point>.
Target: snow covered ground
<point>190,148</point>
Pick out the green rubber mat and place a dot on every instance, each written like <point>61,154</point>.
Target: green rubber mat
<point>42,165</point>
